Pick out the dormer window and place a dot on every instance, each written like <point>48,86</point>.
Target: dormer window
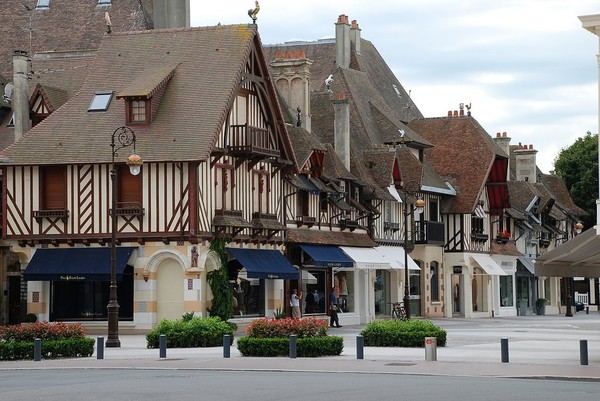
<point>144,93</point>
<point>101,101</point>
<point>42,5</point>
<point>137,111</point>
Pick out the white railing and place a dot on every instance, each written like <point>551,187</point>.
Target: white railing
<point>583,298</point>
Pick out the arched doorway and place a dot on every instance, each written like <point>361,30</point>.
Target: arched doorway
<point>169,290</point>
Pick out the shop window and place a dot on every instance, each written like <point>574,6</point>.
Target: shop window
<point>506,291</point>
<point>314,290</point>
<point>343,286</point>
<point>434,282</point>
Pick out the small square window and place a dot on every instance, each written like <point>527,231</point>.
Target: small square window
<point>104,2</point>
<point>43,4</point>
<point>138,111</point>
<point>101,101</point>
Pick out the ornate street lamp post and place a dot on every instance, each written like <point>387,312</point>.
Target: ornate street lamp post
<point>121,138</point>
<point>410,189</point>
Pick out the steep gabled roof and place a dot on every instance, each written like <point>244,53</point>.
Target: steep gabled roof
<point>464,154</point>
<point>304,144</point>
<point>557,187</point>
<point>210,64</point>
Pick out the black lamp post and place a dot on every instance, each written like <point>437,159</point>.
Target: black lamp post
<point>410,189</point>
<point>121,138</point>
<point>569,280</point>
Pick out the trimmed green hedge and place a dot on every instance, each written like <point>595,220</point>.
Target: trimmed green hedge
<point>67,348</point>
<point>402,333</point>
<point>189,333</point>
<point>305,346</point>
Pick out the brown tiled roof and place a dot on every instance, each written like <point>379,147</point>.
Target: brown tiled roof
<point>304,143</point>
<point>210,62</point>
<point>65,25</point>
<point>148,82</point>
<point>509,248</point>
<point>333,166</point>
<point>522,193</point>
<point>318,237</point>
<point>463,154</point>
<point>557,187</point>
<point>380,163</point>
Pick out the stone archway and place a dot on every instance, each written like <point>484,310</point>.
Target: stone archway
<point>169,266</point>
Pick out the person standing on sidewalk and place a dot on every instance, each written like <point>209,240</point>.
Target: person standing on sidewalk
<point>295,303</point>
<point>333,309</point>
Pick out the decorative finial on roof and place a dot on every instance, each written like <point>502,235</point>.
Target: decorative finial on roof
<point>253,11</point>
<point>328,82</point>
<point>108,23</point>
<point>468,106</point>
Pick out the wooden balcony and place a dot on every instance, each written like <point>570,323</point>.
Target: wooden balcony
<point>306,221</point>
<point>429,232</point>
<point>52,214</point>
<point>248,141</point>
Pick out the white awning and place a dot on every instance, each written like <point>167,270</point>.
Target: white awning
<point>394,192</point>
<point>366,258</point>
<point>395,255</point>
<point>488,265</point>
<point>578,257</point>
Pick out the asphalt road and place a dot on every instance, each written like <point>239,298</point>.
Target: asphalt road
<point>181,385</point>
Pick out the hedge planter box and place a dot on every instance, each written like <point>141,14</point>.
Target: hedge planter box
<point>402,333</point>
<point>308,347</point>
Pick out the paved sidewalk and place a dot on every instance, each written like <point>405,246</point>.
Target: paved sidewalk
<point>539,346</point>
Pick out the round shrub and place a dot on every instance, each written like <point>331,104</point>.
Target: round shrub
<point>402,333</point>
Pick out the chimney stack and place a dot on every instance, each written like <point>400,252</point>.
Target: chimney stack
<point>355,35</point>
<point>171,14</point>
<point>525,161</point>
<point>342,42</point>
<point>341,133</point>
<point>291,74</point>
<point>20,103</point>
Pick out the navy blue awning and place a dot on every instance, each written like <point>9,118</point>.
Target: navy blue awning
<point>75,264</point>
<point>265,263</point>
<point>328,256</point>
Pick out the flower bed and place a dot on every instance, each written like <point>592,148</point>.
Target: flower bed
<point>270,337</point>
<point>58,340</point>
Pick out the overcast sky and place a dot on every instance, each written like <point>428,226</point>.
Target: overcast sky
<point>526,66</point>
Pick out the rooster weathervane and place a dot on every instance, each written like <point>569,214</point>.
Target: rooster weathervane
<point>253,11</point>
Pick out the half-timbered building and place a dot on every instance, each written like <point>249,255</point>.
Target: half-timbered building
<point>215,151</point>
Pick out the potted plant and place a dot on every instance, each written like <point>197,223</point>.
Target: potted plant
<point>540,306</point>
<point>503,236</point>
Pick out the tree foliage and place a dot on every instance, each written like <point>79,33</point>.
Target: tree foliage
<point>578,166</point>
<point>218,279</point>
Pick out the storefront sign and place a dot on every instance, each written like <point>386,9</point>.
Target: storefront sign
<point>72,278</point>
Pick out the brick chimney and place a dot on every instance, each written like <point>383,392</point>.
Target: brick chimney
<point>291,74</point>
<point>355,35</point>
<point>341,133</point>
<point>21,93</point>
<point>503,141</point>
<point>171,14</point>
<point>342,42</point>
<point>525,161</point>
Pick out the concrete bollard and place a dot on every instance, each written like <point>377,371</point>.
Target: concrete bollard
<point>226,346</point>
<point>431,348</point>
<point>360,343</point>
<point>100,348</point>
<point>504,349</point>
<point>583,352</point>
<point>37,350</point>
<point>162,345</point>
<point>292,346</point>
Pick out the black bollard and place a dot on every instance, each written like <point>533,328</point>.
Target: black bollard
<point>292,346</point>
<point>162,342</point>
<point>583,352</point>
<point>504,349</point>
<point>100,348</point>
<point>226,346</point>
<point>360,343</point>
<point>37,350</point>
